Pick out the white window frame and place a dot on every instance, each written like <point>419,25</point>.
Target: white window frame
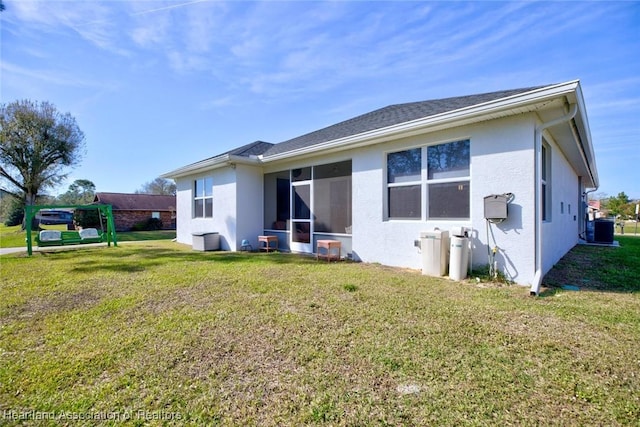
<point>460,180</point>
<point>545,182</point>
<point>424,182</point>
<point>203,183</point>
<point>416,182</point>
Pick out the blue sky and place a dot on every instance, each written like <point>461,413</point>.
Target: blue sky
<point>156,85</point>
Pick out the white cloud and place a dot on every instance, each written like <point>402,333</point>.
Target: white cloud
<point>93,21</point>
<point>52,76</point>
<point>149,35</point>
<point>183,62</point>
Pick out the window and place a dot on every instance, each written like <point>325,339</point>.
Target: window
<point>446,182</point>
<point>203,198</point>
<point>155,215</point>
<point>448,177</point>
<point>545,197</point>
<point>449,200</point>
<point>404,181</point>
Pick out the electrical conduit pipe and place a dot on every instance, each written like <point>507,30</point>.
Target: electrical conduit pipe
<point>537,278</point>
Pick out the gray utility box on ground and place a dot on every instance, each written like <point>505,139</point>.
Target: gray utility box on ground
<point>209,241</point>
<point>435,252</point>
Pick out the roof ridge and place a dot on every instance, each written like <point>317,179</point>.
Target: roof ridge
<point>391,115</point>
<point>248,148</point>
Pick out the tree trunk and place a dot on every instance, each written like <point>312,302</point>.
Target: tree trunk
<point>29,200</point>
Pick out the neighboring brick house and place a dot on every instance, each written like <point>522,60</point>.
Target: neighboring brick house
<point>131,209</point>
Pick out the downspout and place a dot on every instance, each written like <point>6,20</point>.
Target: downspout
<point>537,278</point>
<point>585,212</point>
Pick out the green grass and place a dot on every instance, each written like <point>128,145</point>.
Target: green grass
<point>276,339</point>
<point>606,268</point>
<point>14,237</point>
<point>630,228</point>
<point>131,236</point>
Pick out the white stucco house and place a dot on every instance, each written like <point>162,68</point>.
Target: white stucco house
<point>376,181</point>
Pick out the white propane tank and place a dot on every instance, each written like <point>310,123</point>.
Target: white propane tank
<point>459,253</point>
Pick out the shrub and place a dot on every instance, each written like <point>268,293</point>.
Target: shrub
<point>154,224</point>
<point>150,224</point>
<point>15,212</point>
<point>89,218</point>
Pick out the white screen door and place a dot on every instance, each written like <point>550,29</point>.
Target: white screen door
<point>301,211</point>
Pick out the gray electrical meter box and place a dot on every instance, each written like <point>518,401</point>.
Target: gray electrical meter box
<point>495,207</point>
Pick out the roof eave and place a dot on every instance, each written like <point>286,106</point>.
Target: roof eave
<point>576,144</point>
<point>582,123</point>
<point>218,162</point>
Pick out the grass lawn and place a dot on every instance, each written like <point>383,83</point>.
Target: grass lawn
<point>131,236</point>
<point>599,267</point>
<point>154,329</point>
<point>630,227</point>
<point>14,237</point>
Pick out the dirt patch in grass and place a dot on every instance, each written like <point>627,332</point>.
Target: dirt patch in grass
<point>577,268</point>
<point>57,302</point>
<point>600,268</point>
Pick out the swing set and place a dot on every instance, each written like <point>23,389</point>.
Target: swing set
<point>73,237</point>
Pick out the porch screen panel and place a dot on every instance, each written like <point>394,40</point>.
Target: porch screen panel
<point>332,197</point>
<point>276,200</point>
<point>301,174</point>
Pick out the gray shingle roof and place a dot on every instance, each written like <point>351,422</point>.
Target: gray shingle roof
<point>253,149</point>
<point>389,116</point>
<point>378,119</point>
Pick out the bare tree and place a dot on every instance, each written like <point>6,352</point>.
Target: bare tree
<point>161,186</point>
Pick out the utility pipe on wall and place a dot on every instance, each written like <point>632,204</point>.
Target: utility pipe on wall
<point>537,278</point>
<point>585,209</point>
